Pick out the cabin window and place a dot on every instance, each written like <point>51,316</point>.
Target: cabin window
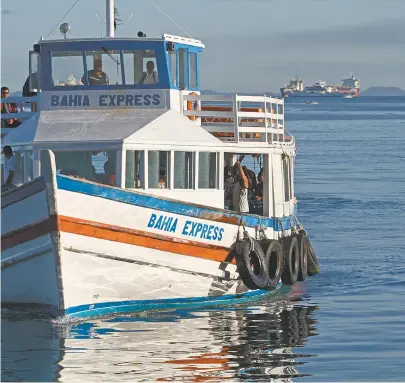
<point>192,60</point>
<point>67,68</point>
<point>27,163</point>
<point>158,169</point>
<point>173,67</point>
<point>97,166</point>
<point>183,170</point>
<point>103,67</point>
<point>141,67</point>
<point>287,178</point>
<point>134,171</point>
<point>207,170</point>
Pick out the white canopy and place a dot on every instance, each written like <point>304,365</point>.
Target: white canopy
<point>118,126</point>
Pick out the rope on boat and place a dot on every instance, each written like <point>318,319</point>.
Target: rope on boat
<point>162,11</point>
<point>62,18</point>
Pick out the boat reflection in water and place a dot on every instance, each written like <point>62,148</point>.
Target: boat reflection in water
<point>245,343</point>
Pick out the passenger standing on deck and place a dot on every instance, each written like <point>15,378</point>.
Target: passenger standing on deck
<point>228,187</point>
<point>259,187</point>
<point>240,190</point>
<point>11,171</point>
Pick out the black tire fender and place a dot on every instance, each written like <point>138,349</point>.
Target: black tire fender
<point>291,260</point>
<point>303,251</point>
<point>251,264</point>
<point>274,263</point>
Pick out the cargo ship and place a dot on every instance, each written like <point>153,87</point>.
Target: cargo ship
<point>349,87</point>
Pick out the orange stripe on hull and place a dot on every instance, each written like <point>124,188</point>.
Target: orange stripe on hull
<point>143,239</point>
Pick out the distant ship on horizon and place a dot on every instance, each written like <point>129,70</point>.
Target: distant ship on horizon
<point>349,87</point>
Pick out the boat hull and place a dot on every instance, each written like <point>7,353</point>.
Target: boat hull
<point>95,250</point>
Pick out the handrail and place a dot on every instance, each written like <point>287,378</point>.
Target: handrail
<point>17,99</point>
<point>20,101</point>
<point>240,118</point>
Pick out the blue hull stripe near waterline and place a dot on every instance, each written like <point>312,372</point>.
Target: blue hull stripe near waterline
<point>170,206</point>
<point>121,307</point>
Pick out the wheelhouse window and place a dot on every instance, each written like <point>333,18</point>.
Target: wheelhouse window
<point>140,67</point>
<point>207,170</point>
<point>103,67</point>
<point>67,68</point>
<point>134,173</point>
<point>34,78</point>
<point>182,68</point>
<point>97,166</point>
<point>183,170</point>
<point>173,67</point>
<point>192,60</point>
<point>158,169</point>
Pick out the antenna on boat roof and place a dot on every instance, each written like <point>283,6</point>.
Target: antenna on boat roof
<point>162,11</point>
<point>117,21</point>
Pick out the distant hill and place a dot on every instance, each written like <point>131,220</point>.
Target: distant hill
<point>380,91</point>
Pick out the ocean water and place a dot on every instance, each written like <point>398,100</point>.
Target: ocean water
<point>346,324</point>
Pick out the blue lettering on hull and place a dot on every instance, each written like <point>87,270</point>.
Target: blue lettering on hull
<point>190,228</point>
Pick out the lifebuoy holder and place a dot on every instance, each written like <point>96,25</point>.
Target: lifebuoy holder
<point>193,105</point>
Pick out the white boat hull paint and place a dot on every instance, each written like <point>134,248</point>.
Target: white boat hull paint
<point>102,250</point>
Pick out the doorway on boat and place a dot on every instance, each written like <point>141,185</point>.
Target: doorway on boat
<point>243,183</point>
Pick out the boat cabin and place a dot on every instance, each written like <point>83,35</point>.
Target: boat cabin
<point>129,113</point>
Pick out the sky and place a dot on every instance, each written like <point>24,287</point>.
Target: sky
<point>251,45</point>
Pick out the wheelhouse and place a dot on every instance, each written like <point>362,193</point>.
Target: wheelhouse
<point>66,63</point>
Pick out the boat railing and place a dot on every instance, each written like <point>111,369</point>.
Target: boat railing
<point>26,108</point>
<point>239,118</point>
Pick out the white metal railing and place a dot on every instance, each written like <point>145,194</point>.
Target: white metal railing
<point>239,118</point>
<point>21,104</point>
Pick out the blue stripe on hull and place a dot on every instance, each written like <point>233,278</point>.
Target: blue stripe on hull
<point>170,206</point>
<point>122,307</point>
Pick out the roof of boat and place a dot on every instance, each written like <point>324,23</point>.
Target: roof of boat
<point>142,126</point>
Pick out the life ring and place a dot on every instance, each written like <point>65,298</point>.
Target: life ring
<point>251,264</point>
<point>193,105</point>
<point>291,260</point>
<point>274,263</point>
<point>303,251</point>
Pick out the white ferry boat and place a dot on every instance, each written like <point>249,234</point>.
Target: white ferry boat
<point>152,231</point>
<point>349,88</point>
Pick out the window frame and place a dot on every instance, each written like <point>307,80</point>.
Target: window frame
<point>217,172</point>
<point>191,169</point>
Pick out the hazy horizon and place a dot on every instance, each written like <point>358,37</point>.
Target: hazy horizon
<point>251,45</point>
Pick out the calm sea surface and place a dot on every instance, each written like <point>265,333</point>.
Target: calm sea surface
<point>348,324</point>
